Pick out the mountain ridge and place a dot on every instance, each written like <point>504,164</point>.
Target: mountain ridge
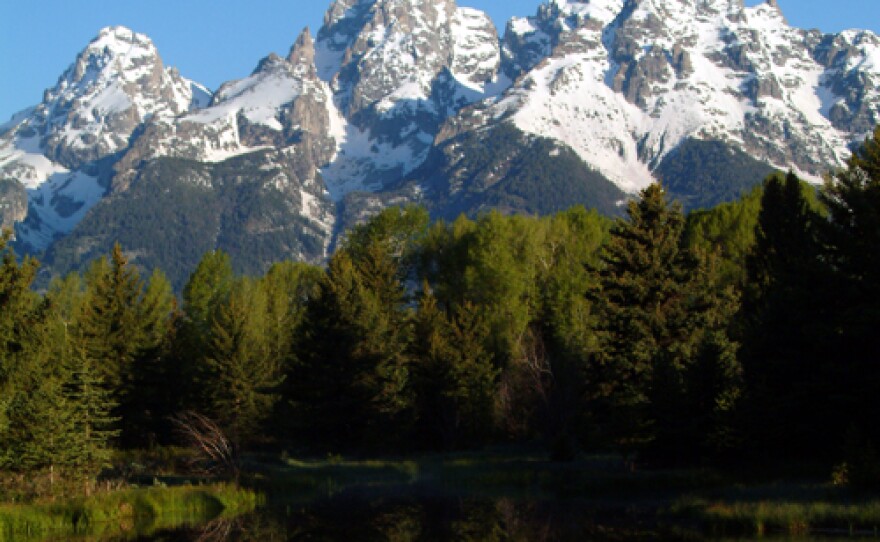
<point>395,101</point>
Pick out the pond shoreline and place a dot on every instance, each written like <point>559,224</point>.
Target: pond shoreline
<point>591,496</point>
<point>119,511</point>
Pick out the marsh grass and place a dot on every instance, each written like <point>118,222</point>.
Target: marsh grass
<point>132,510</point>
<point>786,517</point>
<point>489,474</point>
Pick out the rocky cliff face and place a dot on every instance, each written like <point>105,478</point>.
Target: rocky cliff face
<point>624,83</point>
<point>398,69</point>
<point>60,152</point>
<point>398,101</point>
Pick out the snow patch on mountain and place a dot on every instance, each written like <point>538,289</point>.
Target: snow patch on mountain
<point>258,98</point>
<point>115,85</point>
<point>364,162</point>
<point>566,99</point>
<point>56,206</point>
<point>623,84</point>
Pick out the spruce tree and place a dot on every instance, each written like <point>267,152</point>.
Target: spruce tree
<point>207,289</point>
<point>350,377</point>
<point>111,334</point>
<point>658,302</point>
<point>784,318</point>
<point>110,325</point>
<point>151,402</point>
<point>243,375</point>
<point>852,240</point>
<point>95,424</point>
<point>453,377</point>
<point>18,321</point>
<point>852,236</point>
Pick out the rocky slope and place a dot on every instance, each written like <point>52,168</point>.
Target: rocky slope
<point>399,101</point>
<point>59,153</point>
<point>624,83</point>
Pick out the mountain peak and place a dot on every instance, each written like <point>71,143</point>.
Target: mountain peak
<point>772,9</point>
<point>120,41</point>
<point>115,83</point>
<point>121,33</point>
<point>303,50</point>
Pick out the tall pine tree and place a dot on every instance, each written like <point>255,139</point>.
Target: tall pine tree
<point>784,319</point>
<point>658,303</point>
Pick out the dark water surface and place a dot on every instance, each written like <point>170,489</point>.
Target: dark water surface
<point>358,517</point>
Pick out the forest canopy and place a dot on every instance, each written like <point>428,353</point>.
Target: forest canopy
<point>737,333</point>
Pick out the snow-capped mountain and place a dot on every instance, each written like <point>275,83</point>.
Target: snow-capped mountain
<point>398,69</point>
<point>58,152</point>
<point>398,101</point>
<point>624,83</point>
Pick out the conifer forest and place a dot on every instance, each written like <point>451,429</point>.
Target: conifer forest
<point>741,334</point>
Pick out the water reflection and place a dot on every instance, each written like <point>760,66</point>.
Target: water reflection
<point>355,518</point>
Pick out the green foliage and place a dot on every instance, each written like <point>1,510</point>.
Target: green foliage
<point>851,238</point>
<point>513,172</point>
<point>571,329</point>
<point>350,379</point>
<point>114,513</point>
<point>453,376</point>
<point>16,316</point>
<point>728,228</point>
<point>784,316</point>
<point>288,287</point>
<point>703,174</point>
<point>149,402</point>
<point>110,327</point>
<point>853,235</point>
<point>663,333</point>
<point>242,377</point>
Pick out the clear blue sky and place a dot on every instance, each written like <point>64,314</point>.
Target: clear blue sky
<point>218,40</point>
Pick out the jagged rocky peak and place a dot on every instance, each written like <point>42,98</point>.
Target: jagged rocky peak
<point>635,78</point>
<point>272,108</point>
<point>476,55</point>
<point>398,68</point>
<point>575,26</point>
<point>59,153</point>
<point>381,53</point>
<point>302,53</point>
<point>116,83</point>
<point>117,48</point>
<point>384,49</point>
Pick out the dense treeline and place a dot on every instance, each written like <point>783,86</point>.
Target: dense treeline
<point>739,332</point>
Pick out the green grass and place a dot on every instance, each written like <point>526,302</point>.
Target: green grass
<point>488,474</point>
<point>763,517</point>
<point>697,500</point>
<point>124,511</point>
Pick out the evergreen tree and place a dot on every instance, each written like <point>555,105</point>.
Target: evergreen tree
<point>110,325</point>
<point>454,379</point>
<point>784,318</point>
<point>243,375</point>
<point>852,240</point>
<point>18,320</point>
<point>50,434</point>
<point>350,378</point>
<point>658,302</point>
<point>112,336</point>
<point>287,287</point>
<point>853,237</point>
<point>151,402</point>
<point>208,288</point>
<point>95,424</point>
